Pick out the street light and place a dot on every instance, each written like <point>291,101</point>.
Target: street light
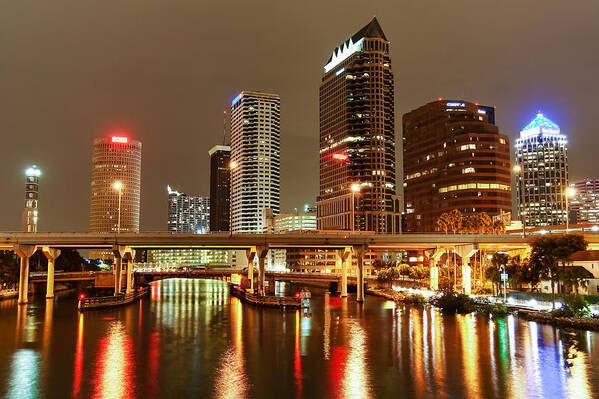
<point>119,187</point>
<point>569,193</point>
<point>520,171</point>
<point>355,188</point>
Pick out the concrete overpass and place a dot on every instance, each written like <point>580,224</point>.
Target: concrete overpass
<point>346,244</point>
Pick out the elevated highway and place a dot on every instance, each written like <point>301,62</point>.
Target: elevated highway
<point>347,244</point>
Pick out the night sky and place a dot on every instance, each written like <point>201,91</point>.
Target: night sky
<point>163,71</point>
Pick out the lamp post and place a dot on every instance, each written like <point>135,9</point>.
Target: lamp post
<point>520,171</point>
<point>232,165</point>
<point>569,193</point>
<point>119,187</point>
<point>355,188</point>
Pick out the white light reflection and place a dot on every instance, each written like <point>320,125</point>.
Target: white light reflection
<point>24,375</point>
<point>356,379</point>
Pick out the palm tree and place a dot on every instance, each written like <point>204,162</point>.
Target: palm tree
<point>443,222</point>
<point>455,221</point>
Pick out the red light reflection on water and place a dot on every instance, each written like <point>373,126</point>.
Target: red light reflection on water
<point>154,362</point>
<point>114,375</point>
<point>298,358</point>
<point>78,358</point>
<point>337,370</point>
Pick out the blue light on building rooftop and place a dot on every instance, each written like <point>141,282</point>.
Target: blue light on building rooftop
<point>541,121</point>
<point>236,99</point>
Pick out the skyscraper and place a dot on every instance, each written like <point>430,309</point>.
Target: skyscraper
<point>220,187</point>
<point>115,159</point>
<point>357,137</point>
<point>255,159</point>
<point>188,213</point>
<point>585,205</point>
<point>30,213</point>
<point>454,158</point>
<point>542,156</point>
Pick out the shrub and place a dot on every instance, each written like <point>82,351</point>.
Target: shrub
<point>574,306</point>
<point>452,302</point>
<point>487,307</point>
<point>415,299</point>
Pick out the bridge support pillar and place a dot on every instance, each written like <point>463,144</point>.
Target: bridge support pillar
<point>433,260</point>
<point>129,256</point>
<point>118,268</point>
<point>359,251</point>
<point>251,255</point>
<point>343,262</point>
<point>466,252</point>
<point>262,253</point>
<point>24,252</point>
<point>51,254</point>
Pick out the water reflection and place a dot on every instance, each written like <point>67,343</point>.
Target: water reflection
<point>78,358</point>
<point>114,376</point>
<point>231,380</point>
<point>23,382</point>
<point>190,339</point>
<point>356,378</point>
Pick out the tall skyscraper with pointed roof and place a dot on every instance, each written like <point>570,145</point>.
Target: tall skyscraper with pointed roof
<point>542,156</point>
<point>357,137</point>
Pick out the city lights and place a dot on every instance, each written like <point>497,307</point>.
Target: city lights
<point>340,157</point>
<point>119,139</point>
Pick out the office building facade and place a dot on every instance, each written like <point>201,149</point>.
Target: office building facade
<point>357,137</point>
<point>542,156</point>
<point>115,159</point>
<point>220,187</point>
<point>255,159</point>
<point>188,213</point>
<point>454,158</point>
<point>585,205</point>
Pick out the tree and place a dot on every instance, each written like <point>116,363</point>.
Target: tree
<point>443,222</point>
<point>69,260</point>
<point>542,258</point>
<point>565,246</point>
<point>499,262</point>
<point>455,221</point>
<point>498,226</point>
<point>9,268</point>
<point>486,223</point>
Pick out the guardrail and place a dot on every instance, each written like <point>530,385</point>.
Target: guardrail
<point>111,301</point>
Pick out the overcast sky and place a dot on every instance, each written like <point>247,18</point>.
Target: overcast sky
<point>165,70</point>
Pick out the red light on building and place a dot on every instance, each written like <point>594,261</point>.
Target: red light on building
<point>297,295</point>
<point>340,157</point>
<point>119,139</point>
<point>82,296</point>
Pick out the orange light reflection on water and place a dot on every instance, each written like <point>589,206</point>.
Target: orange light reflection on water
<point>470,360</point>
<point>231,380</point>
<point>114,375</point>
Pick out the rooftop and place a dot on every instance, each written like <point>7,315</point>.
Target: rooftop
<point>541,121</point>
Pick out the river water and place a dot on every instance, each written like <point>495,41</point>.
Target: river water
<point>191,339</point>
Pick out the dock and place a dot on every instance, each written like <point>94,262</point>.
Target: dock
<point>265,300</point>
<point>99,302</point>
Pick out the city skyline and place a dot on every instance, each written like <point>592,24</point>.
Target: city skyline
<point>58,141</point>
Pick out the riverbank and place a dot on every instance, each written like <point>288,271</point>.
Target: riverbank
<point>8,294</point>
<point>562,322</point>
<point>398,296</point>
<point>585,323</point>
